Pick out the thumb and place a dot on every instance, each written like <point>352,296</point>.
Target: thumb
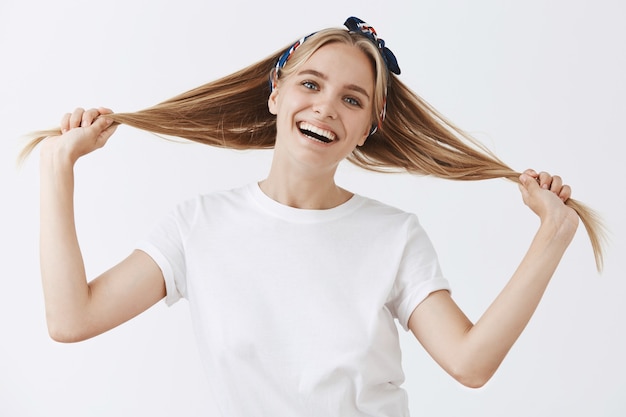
<point>101,130</point>
<point>529,182</point>
<point>104,127</point>
<point>528,185</point>
<point>102,123</point>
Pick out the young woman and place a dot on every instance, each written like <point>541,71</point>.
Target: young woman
<point>294,283</point>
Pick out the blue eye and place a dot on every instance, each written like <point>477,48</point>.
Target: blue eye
<point>352,101</point>
<point>310,85</point>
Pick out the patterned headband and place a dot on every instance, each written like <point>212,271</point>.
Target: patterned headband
<point>354,25</point>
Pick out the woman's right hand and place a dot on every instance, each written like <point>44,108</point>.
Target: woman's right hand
<point>82,132</point>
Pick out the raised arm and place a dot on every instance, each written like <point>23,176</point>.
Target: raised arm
<point>471,353</point>
<point>75,309</point>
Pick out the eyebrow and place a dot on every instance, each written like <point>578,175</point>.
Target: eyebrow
<point>352,87</point>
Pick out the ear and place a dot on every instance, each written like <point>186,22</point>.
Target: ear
<point>364,138</point>
<point>366,135</point>
<point>271,102</point>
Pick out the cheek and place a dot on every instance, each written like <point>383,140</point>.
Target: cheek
<point>366,126</point>
<point>286,102</point>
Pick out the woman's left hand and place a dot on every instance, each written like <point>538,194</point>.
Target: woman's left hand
<point>545,194</point>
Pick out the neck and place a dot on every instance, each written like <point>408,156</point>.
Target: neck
<point>315,192</point>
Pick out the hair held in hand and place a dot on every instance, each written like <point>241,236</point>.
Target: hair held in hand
<point>232,112</point>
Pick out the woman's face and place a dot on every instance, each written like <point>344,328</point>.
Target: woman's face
<point>324,109</point>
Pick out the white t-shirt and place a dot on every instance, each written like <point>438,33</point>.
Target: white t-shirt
<point>294,309</point>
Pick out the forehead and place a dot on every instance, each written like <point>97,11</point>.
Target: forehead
<point>343,62</point>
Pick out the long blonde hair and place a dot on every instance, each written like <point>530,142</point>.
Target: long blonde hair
<point>232,112</point>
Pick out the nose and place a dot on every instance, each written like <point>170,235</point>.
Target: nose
<point>324,107</point>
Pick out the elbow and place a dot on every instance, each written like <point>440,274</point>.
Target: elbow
<point>61,336</point>
<point>474,381</point>
<point>472,378</point>
<point>64,333</point>
<point>471,368</point>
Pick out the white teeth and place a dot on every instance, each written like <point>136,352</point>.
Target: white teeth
<point>325,133</point>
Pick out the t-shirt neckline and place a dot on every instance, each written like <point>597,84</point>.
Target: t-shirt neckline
<point>298,215</point>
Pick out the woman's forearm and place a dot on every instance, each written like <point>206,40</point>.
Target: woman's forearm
<point>65,286</point>
<point>490,339</point>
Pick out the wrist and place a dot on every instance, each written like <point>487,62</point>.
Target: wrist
<point>560,226</point>
<point>53,154</point>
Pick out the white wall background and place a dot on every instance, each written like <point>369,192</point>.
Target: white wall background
<point>541,82</point>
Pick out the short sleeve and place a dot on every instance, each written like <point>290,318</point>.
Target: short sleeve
<point>419,274</point>
<point>165,245</point>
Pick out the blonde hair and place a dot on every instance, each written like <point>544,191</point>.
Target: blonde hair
<point>232,112</point>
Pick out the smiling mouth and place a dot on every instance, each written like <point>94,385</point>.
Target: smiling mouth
<point>316,133</point>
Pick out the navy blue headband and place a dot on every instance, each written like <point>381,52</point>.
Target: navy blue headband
<point>356,25</point>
